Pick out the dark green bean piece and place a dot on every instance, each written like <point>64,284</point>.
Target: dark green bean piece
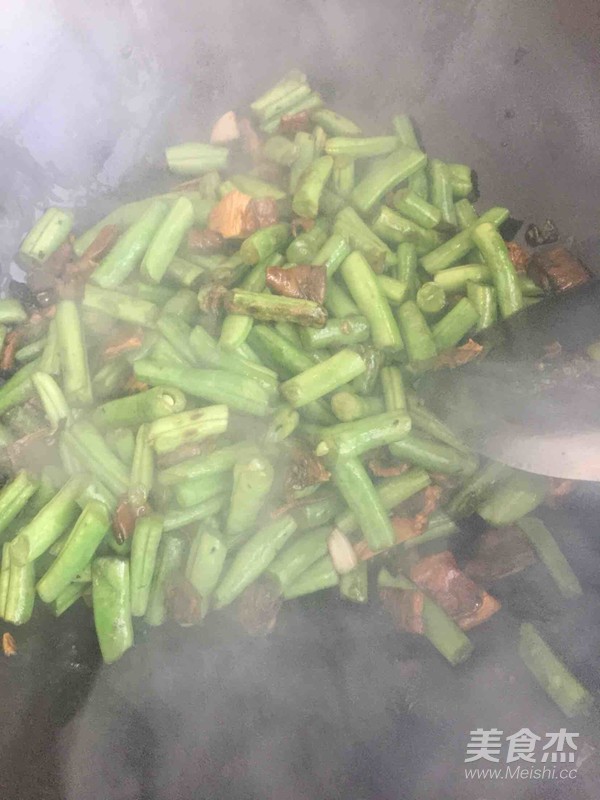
<point>355,486</point>
<point>495,254</point>
<point>338,302</point>
<point>451,251</point>
<point>368,296</point>
<point>439,528</point>
<point>483,299</point>
<point>433,456</point>
<point>391,493</point>
<point>265,308</point>
<point>305,149</point>
<point>478,489</point>
<point>99,459</point>
<point>396,292</point>
<point>252,559</point>
<point>219,461</point>
<point>394,229</point>
<point>552,674</point>
<point>306,245</point>
<point>120,306</point>
<point>265,242</point>
<point>414,207</point>
<point>170,560</point>
<point>361,148</point>
<point>49,523</point>
<point>195,158</point>
<point>323,378</point>
<point>214,386</point>
<point>183,304</point>
<point>206,559</point>
<point>455,279</point>
<point>306,198</point>
<point>30,351</point>
<point>68,597</point>
<point>20,597</point>
<point>141,475</point>
<point>177,518</point>
<point>424,420</point>
<point>122,442</point>
<point>431,298</point>
<point>393,389</point>
<point>110,378</point>
<point>416,335</point>
<point>144,554</point>
<point>282,352</point>
<point>52,399</point>
<point>465,213</point>
<point>78,550</point>
<point>166,240</point>
<point>280,150</point>
<point>455,324</point>
<point>129,250</point>
<point>250,184</point>
<point>185,273</point>
<point>385,175</point>
<point>195,425</point>
<point>551,556</point>
<point>298,556</point>
<point>335,124</point>
<point>441,191</point>
<point>112,606</point>
<point>331,255</point>
<point>406,268</point>
<point>145,406</point>
<point>321,575</point>
<point>348,406</point>
<point>319,511</point>
<point>354,585</point>
<point>342,176</point>
<point>513,498</point>
<point>359,235</point>
<point>336,333</point>
<point>354,438</point>
<point>288,91</point>
<point>14,496</point>
<point>441,630</point>
<point>49,232</point>
<point>252,482</point>
<point>12,312</point>
<point>207,351</point>
<point>461,179</point>
<point>190,493</point>
<point>4,576</point>
<point>73,354</point>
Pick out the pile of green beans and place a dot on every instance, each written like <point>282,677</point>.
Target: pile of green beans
<point>194,426</point>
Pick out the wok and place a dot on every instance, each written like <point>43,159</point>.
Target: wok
<point>333,703</point>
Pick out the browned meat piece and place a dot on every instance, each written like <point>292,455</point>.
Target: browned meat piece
<point>301,224</point>
<point>12,342</point>
<point>184,602</point>
<point>303,282</point>
<point>204,242</point>
<point>228,217</point>
<point>440,577</point>
<point>292,123</point>
<point>459,596</point>
<point>9,646</point>
<point>457,356</point>
<point>519,256</point>
<point>258,606</point>
<point>499,552</point>
<point>249,138</point>
<point>405,608</point>
<point>304,470</point>
<point>260,213</point>
<point>556,270</point>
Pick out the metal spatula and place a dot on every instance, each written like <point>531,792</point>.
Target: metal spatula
<point>543,419</point>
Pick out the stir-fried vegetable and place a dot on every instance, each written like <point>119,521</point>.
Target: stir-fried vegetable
<point>220,382</point>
